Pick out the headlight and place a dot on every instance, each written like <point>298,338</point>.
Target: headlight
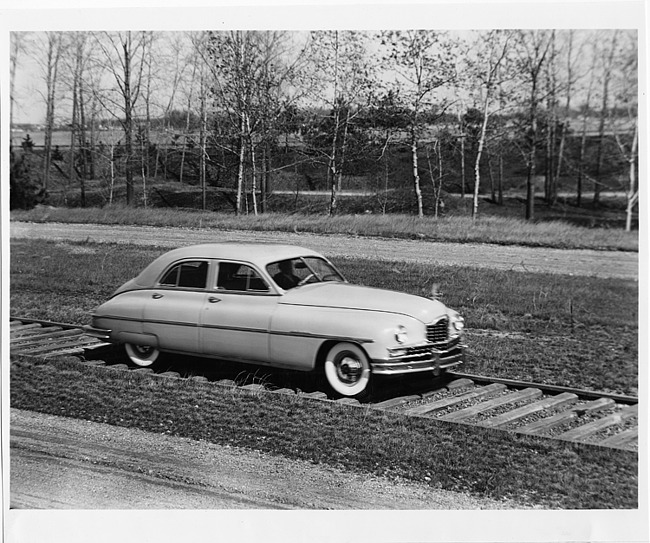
<point>457,323</point>
<point>400,335</point>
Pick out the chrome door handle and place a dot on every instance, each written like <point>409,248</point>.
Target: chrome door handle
<point>156,296</point>
<point>213,299</point>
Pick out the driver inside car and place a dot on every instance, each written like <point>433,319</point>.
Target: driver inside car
<point>286,278</point>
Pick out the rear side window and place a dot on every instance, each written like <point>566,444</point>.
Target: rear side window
<point>240,277</point>
<point>191,274</point>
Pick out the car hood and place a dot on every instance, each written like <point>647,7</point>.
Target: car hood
<point>344,295</point>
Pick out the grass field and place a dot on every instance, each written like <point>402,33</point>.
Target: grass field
<point>453,228</point>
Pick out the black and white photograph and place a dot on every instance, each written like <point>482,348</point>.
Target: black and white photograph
<point>358,272</point>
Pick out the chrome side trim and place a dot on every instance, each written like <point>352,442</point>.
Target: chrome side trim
<point>292,333</point>
<point>295,333</point>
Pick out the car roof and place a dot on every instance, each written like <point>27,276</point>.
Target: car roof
<point>259,254</point>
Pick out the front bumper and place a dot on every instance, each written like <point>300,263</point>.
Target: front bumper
<point>423,357</point>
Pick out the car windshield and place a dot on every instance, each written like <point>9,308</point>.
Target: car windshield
<point>295,272</point>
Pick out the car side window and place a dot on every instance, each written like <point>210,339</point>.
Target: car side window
<point>240,277</point>
<point>191,274</point>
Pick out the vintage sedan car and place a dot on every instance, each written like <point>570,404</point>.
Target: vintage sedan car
<point>277,305</point>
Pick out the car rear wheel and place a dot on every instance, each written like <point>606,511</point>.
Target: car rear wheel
<point>141,355</point>
<point>347,370</point>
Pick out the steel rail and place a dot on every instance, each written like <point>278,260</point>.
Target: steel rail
<point>29,320</point>
<point>554,389</point>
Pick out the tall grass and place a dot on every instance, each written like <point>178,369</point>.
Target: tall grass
<point>486,229</point>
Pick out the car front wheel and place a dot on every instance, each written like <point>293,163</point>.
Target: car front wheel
<point>347,370</point>
<point>141,355</point>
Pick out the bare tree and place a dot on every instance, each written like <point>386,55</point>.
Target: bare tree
<point>344,68</point>
<point>461,88</point>
<point>533,50</point>
<point>125,55</point>
<point>489,69</point>
<point>569,85</point>
<point>249,76</point>
<point>586,111</point>
<point>52,43</point>
<point>78,61</point>
<point>550,182</point>
<point>180,56</point>
<point>607,67</point>
<point>423,63</point>
<point>17,50</point>
<point>625,98</point>
<point>233,61</point>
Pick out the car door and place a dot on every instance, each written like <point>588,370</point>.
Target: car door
<point>173,309</point>
<point>237,313</point>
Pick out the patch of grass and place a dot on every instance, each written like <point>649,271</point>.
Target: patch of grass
<point>453,457</point>
<point>571,331</point>
<point>453,228</point>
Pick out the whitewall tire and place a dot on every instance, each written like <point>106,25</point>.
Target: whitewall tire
<point>141,355</point>
<point>347,370</point>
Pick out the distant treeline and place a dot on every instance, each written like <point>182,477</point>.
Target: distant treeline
<point>434,111</point>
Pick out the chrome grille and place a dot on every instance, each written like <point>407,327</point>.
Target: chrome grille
<point>438,331</point>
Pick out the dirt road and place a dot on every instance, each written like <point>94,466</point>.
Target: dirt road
<point>577,262</point>
<point>61,463</point>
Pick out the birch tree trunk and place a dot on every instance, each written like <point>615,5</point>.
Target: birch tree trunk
<point>242,156</point>
<point>481,144</point>
<point>551,123</point>
<point>128,118</point>
<point>332,168</point>
<point>253,165</point>
<point>598,184</point>
<point>564,126</point>
<point>461,124</point>
<point>416,174</point>
<point>54,48</point>
<point>73,127</point>
<point>17,45</point>
<point>536,47</point>
<point>112,185</point>
<point>203,147</point>
<point>331,173</point>
<point>632,192</point>
<point>489,72</point>
<point>583,136</point>
<point>500,188</point>
<point>339,183</point>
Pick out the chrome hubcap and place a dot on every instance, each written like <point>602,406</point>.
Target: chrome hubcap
<point>349,370</point>
<point>143,350</point>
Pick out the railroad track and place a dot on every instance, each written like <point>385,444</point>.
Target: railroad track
<point>48,339</point>
<point>564,413</point>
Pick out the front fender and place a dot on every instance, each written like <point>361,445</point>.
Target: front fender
<point>298,332</point>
